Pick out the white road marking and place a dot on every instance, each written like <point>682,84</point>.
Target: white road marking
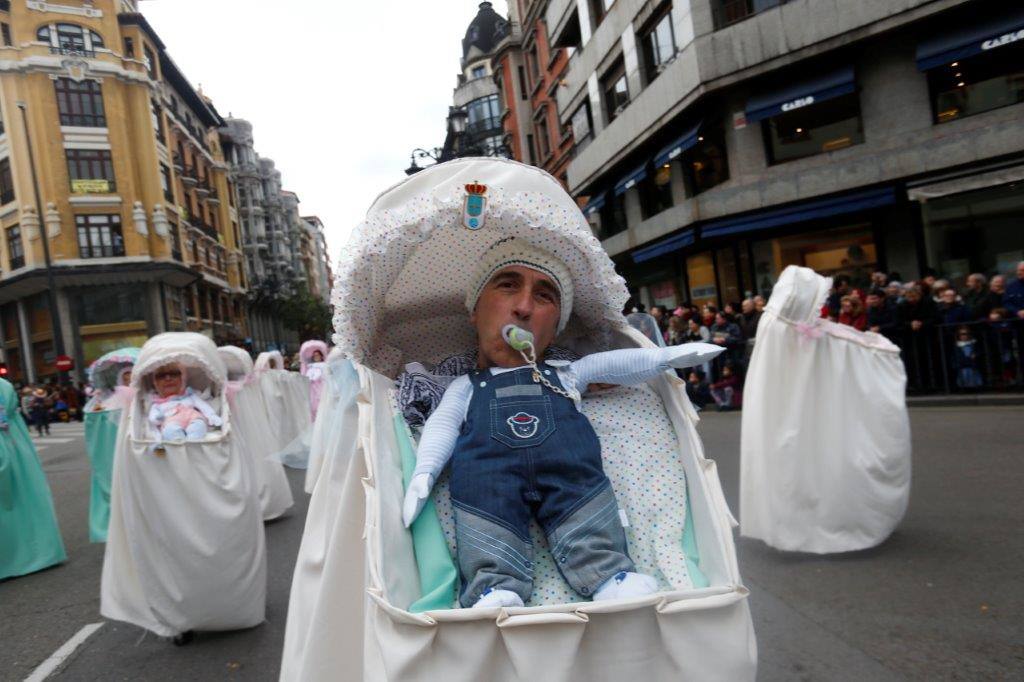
<point>53,440</point>
<point>62,654</point>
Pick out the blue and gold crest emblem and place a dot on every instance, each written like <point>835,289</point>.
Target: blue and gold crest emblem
<point>474,206</point>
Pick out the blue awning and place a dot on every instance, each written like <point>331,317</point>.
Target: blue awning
<point>968,41</point>
<point>596,203</point>
<point>806,210</point>
<point>678,146</point>
<point>812,91</point>
<point>635,176</point>
<point>673,243</point>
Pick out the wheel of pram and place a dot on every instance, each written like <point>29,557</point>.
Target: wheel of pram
<point>184,638</point>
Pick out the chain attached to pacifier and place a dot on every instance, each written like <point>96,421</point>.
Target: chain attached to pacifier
<point>522,341</point>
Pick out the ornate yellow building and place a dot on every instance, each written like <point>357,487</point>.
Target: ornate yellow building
<point>132,186</point>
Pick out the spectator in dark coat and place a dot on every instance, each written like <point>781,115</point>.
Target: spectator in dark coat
<point>917,311</point>
<point>881,311</point>
<point>996,290</point>
<point>725,332</point>
<point>749,318</point>
<point>952,311</point>
<point>840,288</point>
<point>976,296</point>
<point>697,388</point>
<point>1013,299</point>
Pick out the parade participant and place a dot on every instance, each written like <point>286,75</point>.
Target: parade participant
<point>110,377</point>
<point>313,366</point>
<point>175,409</point>
<point>29,536</point>
<point>287,397</point>
<point>249,416</point>
<point>508,410</point>
<point>185,546</point>
<point>825,441</point>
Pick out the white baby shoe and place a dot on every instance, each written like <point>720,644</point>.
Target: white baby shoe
<point>624,585</point>
<point>492,597</point>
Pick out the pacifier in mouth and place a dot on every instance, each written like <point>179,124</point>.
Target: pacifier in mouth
<point>517,337</point>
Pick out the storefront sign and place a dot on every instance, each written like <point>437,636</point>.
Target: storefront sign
<point>90,186</point>
<point>1004,39</point>
<point>798,103</point>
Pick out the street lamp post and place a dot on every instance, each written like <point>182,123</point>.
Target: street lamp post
<point>51,284</point>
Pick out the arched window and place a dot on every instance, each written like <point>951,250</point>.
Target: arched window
<point>64,38</point>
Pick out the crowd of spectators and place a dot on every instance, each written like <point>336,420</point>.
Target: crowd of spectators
<point>949,339</point>
<point>43,404</point>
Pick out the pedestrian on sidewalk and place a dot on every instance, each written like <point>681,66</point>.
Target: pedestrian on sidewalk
<point>39,408</point>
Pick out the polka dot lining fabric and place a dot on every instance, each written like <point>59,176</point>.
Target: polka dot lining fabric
<point>641,458</point>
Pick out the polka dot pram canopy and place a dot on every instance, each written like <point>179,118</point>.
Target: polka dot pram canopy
<point>402,278</point>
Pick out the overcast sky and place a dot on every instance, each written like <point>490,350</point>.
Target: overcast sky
<point>338,91</point>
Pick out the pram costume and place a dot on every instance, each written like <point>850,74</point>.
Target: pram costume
<point>182,416</point>
<point>372,600</point>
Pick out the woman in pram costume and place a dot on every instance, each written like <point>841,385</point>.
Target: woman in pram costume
<point>371,600</point>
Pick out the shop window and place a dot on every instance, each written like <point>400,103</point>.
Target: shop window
<point>99,236</point>
<point>821,127</point>
<point>846,251</point>
<point>80,104</point>
<point>90,171</point>
<point>659,44</point>
<point>656,191</point>
<point>6,182</point>
<point>615,90</point>
<point>700,273</point>
<point>705,164</point>
<point>15,248</point>
<point>582,127</point>
<point>613,216</point>
<point>976,231</point>
<point>971,86</point>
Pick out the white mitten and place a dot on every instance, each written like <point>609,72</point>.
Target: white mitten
<point>626,585</point>
<point>416,496</point>
<point>692,354</point>
<point>216,421</point>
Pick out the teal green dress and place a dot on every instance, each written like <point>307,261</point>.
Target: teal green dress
<point>29,537</point>
<point>101,435</point>
<point>100,441</point>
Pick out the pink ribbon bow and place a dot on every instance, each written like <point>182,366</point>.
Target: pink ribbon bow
<point>809,331</point>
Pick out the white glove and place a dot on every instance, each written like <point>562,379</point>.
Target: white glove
<point>216,421</point>
<point>416,496</point>
<point>692,354</point>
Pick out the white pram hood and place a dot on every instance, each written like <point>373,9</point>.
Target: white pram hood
<point>264,360</point>
<point>104,372</point>
<point>197,353</point>
<point>237,362</point>
<point>402,277</point>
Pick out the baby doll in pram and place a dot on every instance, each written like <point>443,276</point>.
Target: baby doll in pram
<point>176,410</point>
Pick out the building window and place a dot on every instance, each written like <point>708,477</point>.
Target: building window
<point>80,104</point>
<point>165,183</point>
<point>613,216</point>
<point>599,8</point>
<point>15,249</point>
<point>150,61</point>
<point>99,236</point>
<point>90,170</point>
<point>478,72</point>
<point>483,115</point>
<point>582,127</point>
<point>705,164</point>
<point>158,122</point>
<point>543,138</point>
<point>534,63</point>
<point>815,129</point>
<point>659,44</point>
<point>129,47</point>
<point>6,182</point>
<point>175,241</point>
<point>70,39</point>
<point>656,191</point>
<point>971,86</point>
<point>615,90</point>
<point>532,155</point>
<point>523,94</point>
<point>728,12</point>
<point>5,29</point>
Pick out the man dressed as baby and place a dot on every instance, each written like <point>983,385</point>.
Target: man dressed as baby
<point>519,445</point>
<point>176,410</point>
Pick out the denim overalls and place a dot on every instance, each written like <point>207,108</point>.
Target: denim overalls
<point>525,449</point>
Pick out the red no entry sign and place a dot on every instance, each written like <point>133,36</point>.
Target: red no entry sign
<point>64,363</point>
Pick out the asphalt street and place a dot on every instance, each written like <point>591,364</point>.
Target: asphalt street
<point>941,599</point>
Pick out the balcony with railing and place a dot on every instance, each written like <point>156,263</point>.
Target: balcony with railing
<point>189,177</point>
